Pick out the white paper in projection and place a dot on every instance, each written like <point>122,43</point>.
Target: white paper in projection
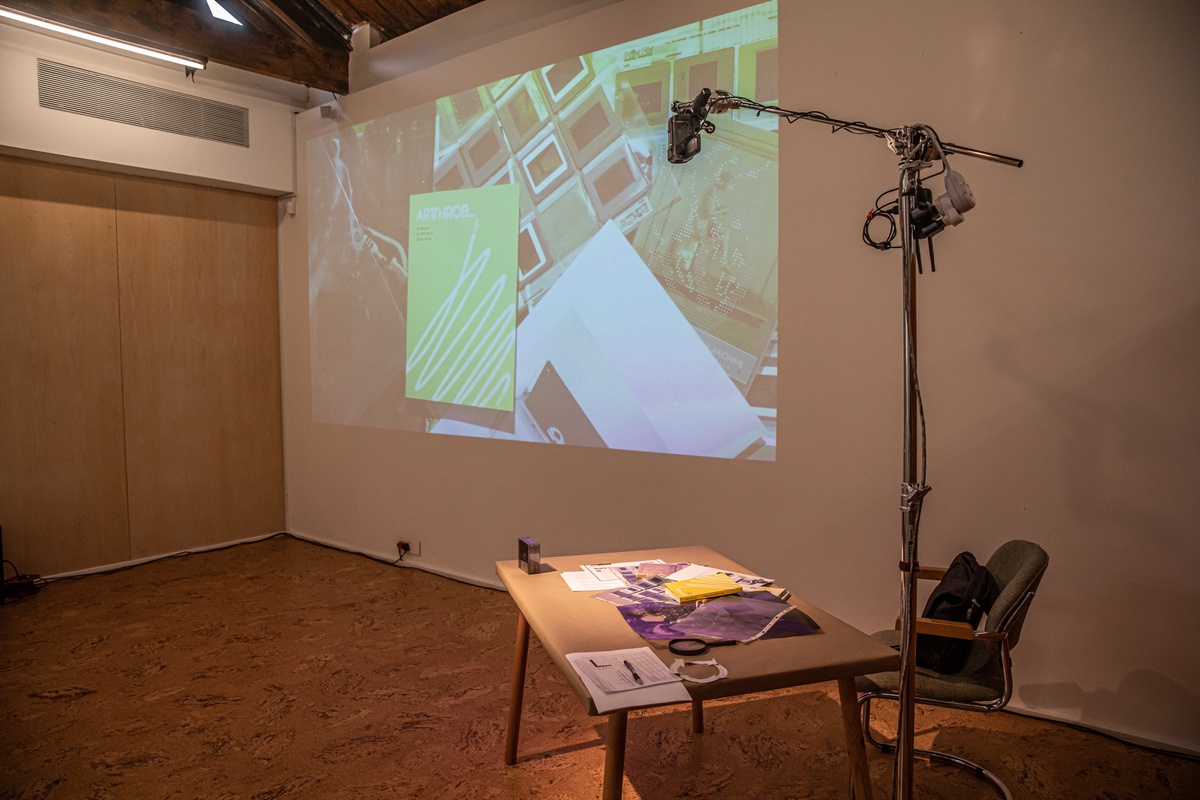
<point>663,391</point>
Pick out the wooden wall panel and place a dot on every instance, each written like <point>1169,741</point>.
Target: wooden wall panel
<point>200,345</point>
<point>62,455</point>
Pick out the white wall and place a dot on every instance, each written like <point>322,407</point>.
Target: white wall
<point>1058,341</point>
<point>27,129</point>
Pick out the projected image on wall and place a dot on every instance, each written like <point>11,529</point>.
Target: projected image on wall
<point>518,261</point>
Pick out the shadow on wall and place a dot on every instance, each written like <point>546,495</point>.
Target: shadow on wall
<point>1144,701</point>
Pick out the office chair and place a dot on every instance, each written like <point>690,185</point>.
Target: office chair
<point>985,681</point>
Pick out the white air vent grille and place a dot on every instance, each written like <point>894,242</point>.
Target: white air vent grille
<point>94,94</point>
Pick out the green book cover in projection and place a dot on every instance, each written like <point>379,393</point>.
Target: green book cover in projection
<point>462,296</point>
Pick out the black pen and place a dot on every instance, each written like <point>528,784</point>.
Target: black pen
<point>633,672</point>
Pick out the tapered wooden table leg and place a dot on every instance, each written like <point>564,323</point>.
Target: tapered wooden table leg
<point>614,756</point>
<point>860,775</point>
<point>697,717</point>
<point>518,690</point>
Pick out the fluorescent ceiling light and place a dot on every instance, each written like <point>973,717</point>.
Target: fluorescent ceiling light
<point>220,12</point>
<point>185,61</point>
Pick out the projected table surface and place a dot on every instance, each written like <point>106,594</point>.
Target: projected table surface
<point>569,622</point>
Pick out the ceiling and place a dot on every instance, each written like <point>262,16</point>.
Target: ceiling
<point>302,41</point>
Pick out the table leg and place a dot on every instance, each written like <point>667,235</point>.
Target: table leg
<point>697,717</point>
<point>518,690</point>
<point>860,775</point>
<point>614,755</point>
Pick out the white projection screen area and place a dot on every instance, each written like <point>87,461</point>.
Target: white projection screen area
<point>519,261</point>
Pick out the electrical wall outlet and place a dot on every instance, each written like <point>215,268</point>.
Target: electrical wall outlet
<point>414,548</point>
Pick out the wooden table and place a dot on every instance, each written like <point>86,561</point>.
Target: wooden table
<point>569,622</point>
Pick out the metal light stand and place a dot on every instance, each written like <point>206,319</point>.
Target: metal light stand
<point>912,144</point>
<point>911,492</point>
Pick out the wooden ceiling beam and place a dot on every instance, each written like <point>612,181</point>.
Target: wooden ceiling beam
<point>273,12</point>
<point>163,24</point>
<point>259,18</point>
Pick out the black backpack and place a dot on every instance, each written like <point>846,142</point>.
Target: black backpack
<point>964,594</point>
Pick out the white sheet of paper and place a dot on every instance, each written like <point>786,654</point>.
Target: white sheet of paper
<point>663,390</point>
<point>699,570</point>
<point>692,571</point>
<point>606,668</point>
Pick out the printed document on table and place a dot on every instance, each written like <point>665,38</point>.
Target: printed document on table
<point>609,678</point>
<point>584,581</point>
<point>623,571</point>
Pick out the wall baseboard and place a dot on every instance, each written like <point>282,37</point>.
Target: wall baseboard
<point>386,557</point>
<point>148,559</point>
<point>303,537</point>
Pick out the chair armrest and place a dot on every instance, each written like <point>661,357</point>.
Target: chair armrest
<point>931,573</point>
<point>955,630</point>
<point>945,627</point>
